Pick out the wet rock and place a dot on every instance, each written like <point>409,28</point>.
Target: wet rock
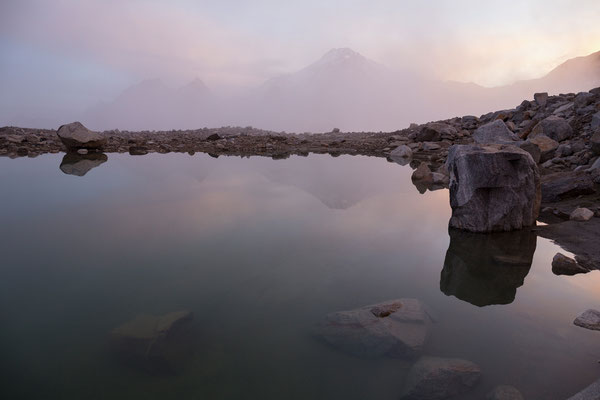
<point>554,127</point>
<point>435,131</point>
<point>487,269</point>
<point>76,136</point>
<point>592,392</point>
<point>541,99</point>
<point>395,328</point>
<point>402,151</point>
<point>494,132</point>
<point>422,173</point>
<point>581,214</point>
<point>589,319</point>
<point>433,378</point>
<point>563,185</point>
<point>492,188</point>
<point>156,343</point>
<point>138,150</point>
<point>504,392</point>
<point>563,265</point>
<point>546,146</point>
<point>79,165</point>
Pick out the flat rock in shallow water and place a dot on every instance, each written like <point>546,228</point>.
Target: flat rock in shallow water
<point>433,378</point>
<point>589,319</point>
<point>395,328</point>
<point>504,392</point>
<point>155,343</point>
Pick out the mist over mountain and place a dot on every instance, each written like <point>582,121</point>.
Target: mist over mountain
<point>342,89</point>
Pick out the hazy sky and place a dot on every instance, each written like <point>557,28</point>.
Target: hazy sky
<point>73,52</point>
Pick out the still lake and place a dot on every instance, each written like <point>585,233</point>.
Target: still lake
<point>260,250</point>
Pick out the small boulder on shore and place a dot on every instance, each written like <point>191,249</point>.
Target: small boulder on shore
<point>554,127</point>
<point>495,132</point>
<point>76,136</point>
<point>434,378</point>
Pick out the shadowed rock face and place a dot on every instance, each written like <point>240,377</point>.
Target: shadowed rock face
<point>79,165</point>
<point>487,269</point>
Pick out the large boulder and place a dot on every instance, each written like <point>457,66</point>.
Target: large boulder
<point>487,269</point>
<point>563,185</point>
<point>434,378</point>
<point>81,164</point>
<point>554,127</point>
<point>435,131</point>
<point>395,328</point>
<point>546,146</point>
<point>495,132</point>
<point>155,343</point>
<point>76,136</point>
<point>492,188</point>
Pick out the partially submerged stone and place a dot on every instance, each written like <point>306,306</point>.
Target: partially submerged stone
<point>589,319</point>
<point>76,136</point>
<point>492,188</point>
<point>495,132</point>
<point>504,392</point>
<point>79,165</point>
<point>563,265</point>
<point>394,328</point>
<point>153,342</point>
<point>434,378</point>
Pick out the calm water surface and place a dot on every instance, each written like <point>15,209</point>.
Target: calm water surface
<point>260,250</point>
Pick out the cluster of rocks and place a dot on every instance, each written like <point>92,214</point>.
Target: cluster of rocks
<point>399,328</point>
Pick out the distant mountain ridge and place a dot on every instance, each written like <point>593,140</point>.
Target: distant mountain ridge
<point>342,89</point>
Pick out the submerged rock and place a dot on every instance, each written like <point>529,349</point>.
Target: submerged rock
<point>76,136</point>
<point>433,378</point>
<point>492,188</point>
<point>589,319</point>
<point>487,269</point>
<point>504,392</point>
<point>495,132</point>
<point>563,265</point>
<point>156,343</point>
<point>395,328</point>
<point>79,165</point>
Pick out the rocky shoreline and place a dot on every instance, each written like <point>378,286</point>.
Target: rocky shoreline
<point>561,133</point>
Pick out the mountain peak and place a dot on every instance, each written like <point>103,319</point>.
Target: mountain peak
<point>340,54</point>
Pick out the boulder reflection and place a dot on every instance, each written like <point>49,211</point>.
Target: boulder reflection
<point>81,164</point>
<point>485,269</point>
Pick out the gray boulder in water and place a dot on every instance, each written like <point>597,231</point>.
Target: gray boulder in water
<point>589,319</point>
<point>433,378</point>
<point>495,132</point>
<point>81,164</point>
<point>492,188</point>
<point>395,328</point>
<point>76,136</point>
